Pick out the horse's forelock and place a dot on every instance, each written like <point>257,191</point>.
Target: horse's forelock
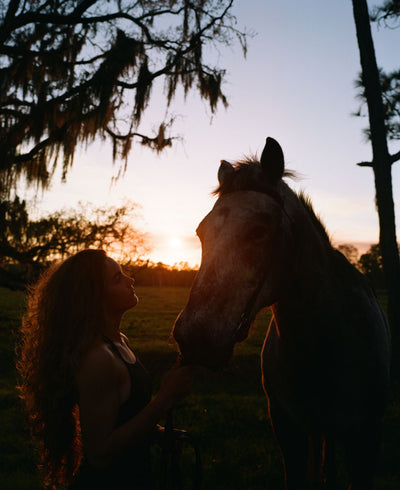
<point>247,175</point>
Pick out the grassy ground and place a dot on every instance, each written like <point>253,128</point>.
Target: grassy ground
<point>227,411</point>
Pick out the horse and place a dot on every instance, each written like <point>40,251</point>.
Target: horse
<point>325,361</point>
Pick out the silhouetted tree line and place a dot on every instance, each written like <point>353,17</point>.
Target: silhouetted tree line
<point>369,263</point>
<point>28,246</point>
<point>161,275</point>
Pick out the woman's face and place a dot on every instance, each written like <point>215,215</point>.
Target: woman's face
<point>119,292</point>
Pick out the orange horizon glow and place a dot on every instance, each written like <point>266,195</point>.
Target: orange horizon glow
<point>175,249</point>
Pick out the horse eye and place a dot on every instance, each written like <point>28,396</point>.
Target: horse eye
<point>255,233</point>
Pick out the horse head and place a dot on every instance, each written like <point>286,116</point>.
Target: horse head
<point>246,240</point>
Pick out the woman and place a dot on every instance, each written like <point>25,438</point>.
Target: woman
<point>87,396</point>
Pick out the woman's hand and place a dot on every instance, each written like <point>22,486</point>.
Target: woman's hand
<point>176,384</point>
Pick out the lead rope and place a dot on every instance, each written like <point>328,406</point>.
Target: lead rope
<point>171,477</point>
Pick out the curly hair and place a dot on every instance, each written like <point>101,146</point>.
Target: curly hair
<point>63,319</point>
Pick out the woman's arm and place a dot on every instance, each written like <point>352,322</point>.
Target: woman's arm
<point>98,382</point>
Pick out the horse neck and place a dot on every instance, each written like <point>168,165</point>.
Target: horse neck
<point>309,276</point>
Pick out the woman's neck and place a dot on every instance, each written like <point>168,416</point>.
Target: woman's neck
<point>111,327</point>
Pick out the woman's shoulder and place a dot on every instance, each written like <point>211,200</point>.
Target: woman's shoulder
<point>97,365</point>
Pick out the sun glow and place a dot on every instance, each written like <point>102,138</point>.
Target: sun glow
<point>175,249</point>
<point>175,243</point>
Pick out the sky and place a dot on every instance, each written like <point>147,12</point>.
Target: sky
<point>297,85</point>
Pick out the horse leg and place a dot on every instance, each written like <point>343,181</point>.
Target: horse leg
<point>361,450</point>
<point>315,444</point>
<point>322,462</point>
<point>329,463</point>
<point>294,448</point>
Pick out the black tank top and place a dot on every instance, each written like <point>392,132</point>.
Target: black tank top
<point>132,470</point>
<point>141,388</point>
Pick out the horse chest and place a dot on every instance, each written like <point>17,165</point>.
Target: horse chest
<point>293,375</point>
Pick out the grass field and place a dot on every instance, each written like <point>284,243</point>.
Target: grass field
<point>227,411</point>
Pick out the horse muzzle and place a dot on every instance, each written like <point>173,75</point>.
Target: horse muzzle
<point>198,346</point>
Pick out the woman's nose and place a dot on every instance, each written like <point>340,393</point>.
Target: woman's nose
<point>130,280</point>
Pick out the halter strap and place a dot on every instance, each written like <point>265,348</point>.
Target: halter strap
<point>242,329</point>
<point>117,351</point>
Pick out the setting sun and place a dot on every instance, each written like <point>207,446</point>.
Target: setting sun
<point>175,242</point>
<point>175,249</point>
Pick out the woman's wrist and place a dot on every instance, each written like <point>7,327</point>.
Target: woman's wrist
<point>163,400</point>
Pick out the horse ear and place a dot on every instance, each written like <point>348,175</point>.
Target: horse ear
<point>225,171</point>
<point>272,161</point>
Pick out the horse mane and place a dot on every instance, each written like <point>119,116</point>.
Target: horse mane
<point>316,220</point>
<point>249,176</point>
<point>345,272</point>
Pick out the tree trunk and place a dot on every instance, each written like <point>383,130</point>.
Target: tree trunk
<point>382,172</point>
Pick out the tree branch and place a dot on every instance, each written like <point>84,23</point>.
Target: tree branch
<point>394,158</point>
<point>365,164</point>
<point>131,134</point>
<point>73,80</point>
<point>13,52</point>
<point>26,157</point>
<point>14,101</point>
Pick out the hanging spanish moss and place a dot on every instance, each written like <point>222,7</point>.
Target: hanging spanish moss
<point>72,72</point>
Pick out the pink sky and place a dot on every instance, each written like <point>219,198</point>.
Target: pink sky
<point>297,85</point>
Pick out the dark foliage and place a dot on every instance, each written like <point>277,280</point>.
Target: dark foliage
<point>388,13</point>
<point>349,251</point>
<point>390,87</point>
<point>161,275</point>
<point>73,71</point>
<point>370,264</point>
<point>27,246</point>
